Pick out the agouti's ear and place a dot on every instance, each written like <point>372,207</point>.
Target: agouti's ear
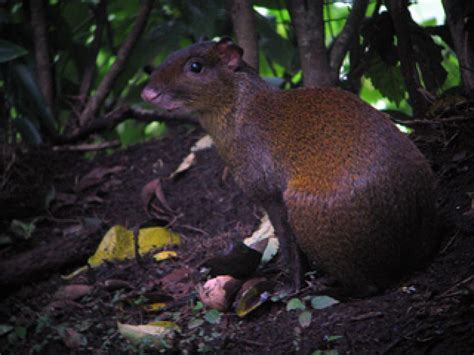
<point>230,53</point>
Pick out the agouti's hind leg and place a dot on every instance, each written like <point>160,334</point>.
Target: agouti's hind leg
<point>289,250</point>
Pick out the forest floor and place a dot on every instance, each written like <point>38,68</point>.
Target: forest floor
<point>431,311</point>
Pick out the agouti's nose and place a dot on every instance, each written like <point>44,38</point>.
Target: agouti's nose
<point>150,94</point>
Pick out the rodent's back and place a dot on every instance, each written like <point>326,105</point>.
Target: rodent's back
<point>358,192</point>
<point>324,135</point>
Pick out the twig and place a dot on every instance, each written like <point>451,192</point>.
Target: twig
<point>402,21</point>
<point>95,102</point>
<point>89,71</point>
<point>251,342</point>
<point>456,285</point>
<point>195,229</point>
<point>365,316</point>
<point>136,245</point>
<point>87,147</point>
<point>449,243</point>
<point>438,121</point>
<point>350,31</point>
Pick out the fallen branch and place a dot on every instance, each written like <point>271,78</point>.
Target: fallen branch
<point>119,115</point>
<point>50,258</point>
<point>95,102</point>
<point>438,121</point>
<point>87,147</point>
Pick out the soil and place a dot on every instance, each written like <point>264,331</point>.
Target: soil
<point>431,311</point>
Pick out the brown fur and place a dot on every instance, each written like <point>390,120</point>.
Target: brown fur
<point>336,176</point>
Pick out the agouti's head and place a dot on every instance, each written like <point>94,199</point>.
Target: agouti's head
<point>196,79</point>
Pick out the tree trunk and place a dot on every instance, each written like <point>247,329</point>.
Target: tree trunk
<point>243,20</point>
<point>307,19</point>
<point>40,38</point>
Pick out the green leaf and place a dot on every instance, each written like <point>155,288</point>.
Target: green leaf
<point>21,332</point>
<point>276,47</point>
<point>195,323</point>
<point>5,329</point>
<point>295,304</point>
<point>387,79</point>
<point>29,132</point>
<point>325,352</point>
<point>27,82</point>
<point>4,240</point>
<point>197,307</point>
<point>23,229</point>
<point>131,132</point>
<point>10,51</point>
<point>451,65</point>
<point>332,338</point>
<point>321,302</point>
<point>429,58</point>
<point>305,319</point>
<point>213,316</point>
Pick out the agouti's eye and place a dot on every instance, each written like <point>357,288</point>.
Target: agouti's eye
<point>196,67</point>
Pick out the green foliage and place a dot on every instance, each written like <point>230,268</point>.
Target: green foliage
<point>28,130</point>
<point>213,316</point>
<point>429,57</point>
<point>10,51</point>
<point>295,304</point>
<point>304,319</point>
<point>387,80</point>
<point>321,302</point>
<point>176,23</point>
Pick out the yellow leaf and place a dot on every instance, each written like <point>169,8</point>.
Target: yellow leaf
<point>118,243</point>
<point>155,331</point>
<point>166,254</point>
<point>154,307</point>
<point>75,273</point>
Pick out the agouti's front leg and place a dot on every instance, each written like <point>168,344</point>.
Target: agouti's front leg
<point>289,249</point>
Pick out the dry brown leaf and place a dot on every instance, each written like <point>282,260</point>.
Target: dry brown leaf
<point>96,176</point>
<point>115,284</point>
<point>61,200</point>
<point>154,189</point>
<point>178,282</point>
<point>148,192</point>
<point>185,165</point>
<point>72,292</point>
<point>72,339</point>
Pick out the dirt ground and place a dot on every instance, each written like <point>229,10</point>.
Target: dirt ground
<point>432,311</point>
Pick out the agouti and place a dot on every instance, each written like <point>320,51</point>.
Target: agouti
<point>336,177</point>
